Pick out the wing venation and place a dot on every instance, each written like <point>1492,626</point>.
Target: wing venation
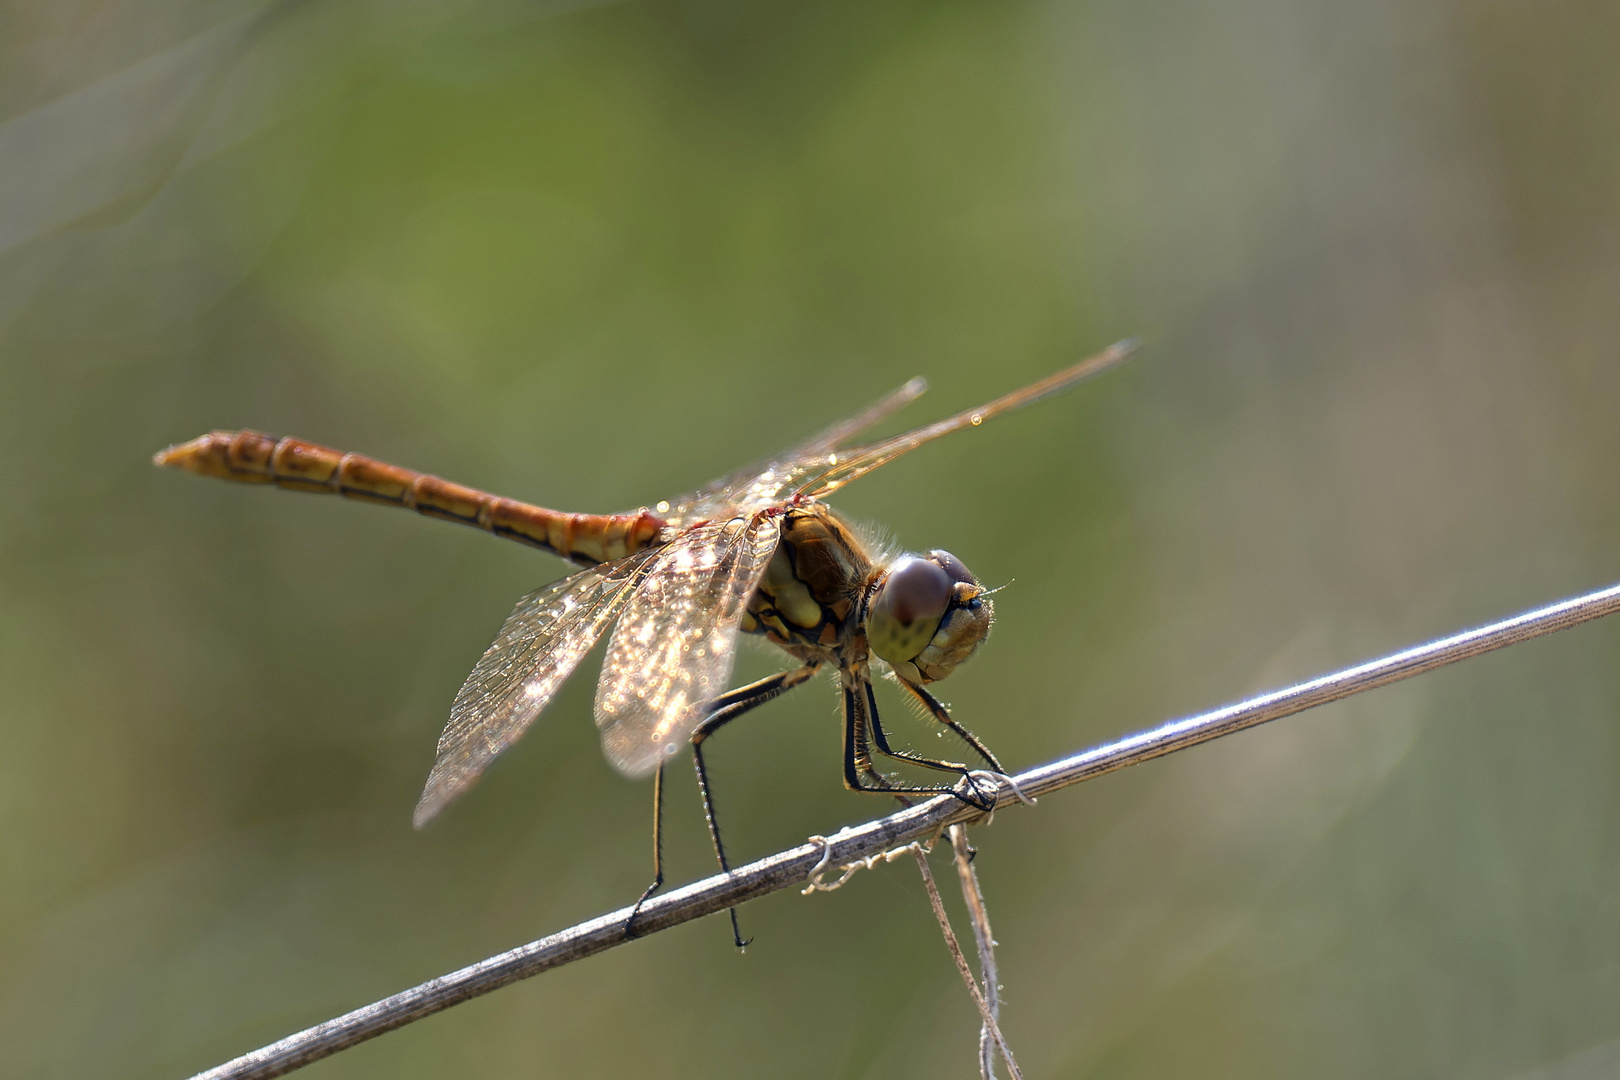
<point>754,486</point>
<point>820,466</point>
<point>675,644</point>
<point>542,641</point>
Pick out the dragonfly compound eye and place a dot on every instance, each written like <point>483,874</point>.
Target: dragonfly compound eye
<point>952,566</point>
<point>907,608</point>
<point>927,617</point>
<point>965,624</point>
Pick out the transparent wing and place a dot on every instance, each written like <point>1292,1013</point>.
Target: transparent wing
<point>538,646</point>
<point>816,481</point>
<point>733,491</point>
<point>839,433</point>
<point>673,649</point>
<point>817,468</point>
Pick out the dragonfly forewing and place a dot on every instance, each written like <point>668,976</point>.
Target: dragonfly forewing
<point>673,650</point>
<point>817,479</point>
<point>542,641</point>
<point>820,466</point>
<point>757,484</point>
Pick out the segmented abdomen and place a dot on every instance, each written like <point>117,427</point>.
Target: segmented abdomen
<point>254,458</point>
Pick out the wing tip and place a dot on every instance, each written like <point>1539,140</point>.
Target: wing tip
<point>436,795</point>
<point>635,762</point>
<point>425,812</point>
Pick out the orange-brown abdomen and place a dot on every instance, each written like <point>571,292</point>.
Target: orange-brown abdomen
<point>253,458</point>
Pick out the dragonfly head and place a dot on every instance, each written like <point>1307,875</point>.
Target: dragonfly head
<point>927,616</point>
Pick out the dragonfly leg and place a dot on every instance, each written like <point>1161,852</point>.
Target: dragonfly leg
<point>658,853</point>
<point>726,708</point>
<point>880,737</point>
<point>942,714</point>
<point>733,703</point>
<point>862,729</point>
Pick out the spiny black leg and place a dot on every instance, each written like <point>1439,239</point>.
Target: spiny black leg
<point>726,708</point>
<point>714,834</point>
<point>860,714</point>
<point>733,703</point>
<point>658,853</point>
<point>943,715</point>
<point>877,785</point>
<point>979,801</point>
<point>857,755</point>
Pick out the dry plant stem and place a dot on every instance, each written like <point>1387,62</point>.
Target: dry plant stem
<point>962,965</point>
<point>793,866</point>
<point>979,916</point>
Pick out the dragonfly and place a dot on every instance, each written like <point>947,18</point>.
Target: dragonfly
<point>756,552</point>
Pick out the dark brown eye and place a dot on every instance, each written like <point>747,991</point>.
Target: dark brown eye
<point>906,609</point>
<point>917,589</point>
<point>952,566</point>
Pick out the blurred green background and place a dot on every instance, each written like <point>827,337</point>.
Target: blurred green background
<point>592,256</point>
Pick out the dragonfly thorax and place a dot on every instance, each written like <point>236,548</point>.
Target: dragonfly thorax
<point>823,592</point>
<point>812,588</point>
<point>926,615</point>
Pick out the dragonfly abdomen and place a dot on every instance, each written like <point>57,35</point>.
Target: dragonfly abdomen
<point>255,458</point>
